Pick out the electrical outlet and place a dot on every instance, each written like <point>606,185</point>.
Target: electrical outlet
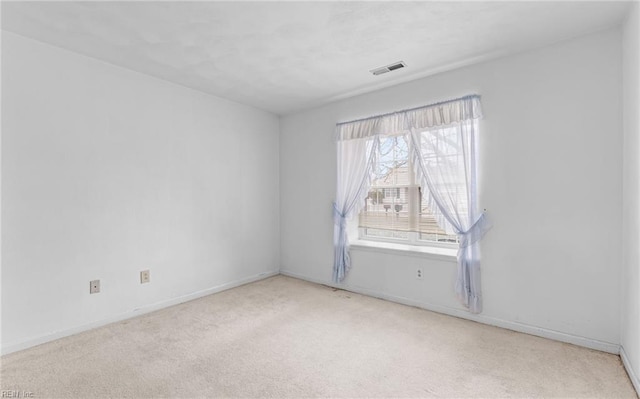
<point>144,276</point>
<point>94,286</point>
<point>419,273</point>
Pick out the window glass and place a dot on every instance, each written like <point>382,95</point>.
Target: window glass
<point>394,208</point>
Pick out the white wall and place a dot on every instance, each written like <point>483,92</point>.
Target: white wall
<point>107,172</point>
<point>551,179</point>
<point>630,339</point>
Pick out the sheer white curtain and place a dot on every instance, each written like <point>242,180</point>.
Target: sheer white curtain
<point>446,158</point>
<point>356,157</point>
<point>444,141</point>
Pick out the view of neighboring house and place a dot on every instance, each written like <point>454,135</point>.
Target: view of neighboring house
<point>395,207</point>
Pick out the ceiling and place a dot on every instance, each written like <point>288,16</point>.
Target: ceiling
<point>287,56</point>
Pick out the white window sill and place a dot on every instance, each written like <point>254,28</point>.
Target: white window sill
<point>447,254</point>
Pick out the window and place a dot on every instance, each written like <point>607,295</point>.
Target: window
<point>394,209</point>
<point>379,182</point>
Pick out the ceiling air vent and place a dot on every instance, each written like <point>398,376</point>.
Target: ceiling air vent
<point>388,68</point>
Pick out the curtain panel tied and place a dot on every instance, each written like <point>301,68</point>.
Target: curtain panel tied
<point>342,259</point>
<point>474,233</point>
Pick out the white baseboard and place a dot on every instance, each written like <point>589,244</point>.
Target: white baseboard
<point>463,314</point>
<point>14,347</point>
<point>519,327</point>
<point>632,374</point>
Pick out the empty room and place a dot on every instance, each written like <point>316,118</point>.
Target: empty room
<point>331,199</point>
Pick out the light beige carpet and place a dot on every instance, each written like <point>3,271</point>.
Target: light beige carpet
<point>283,337</point>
